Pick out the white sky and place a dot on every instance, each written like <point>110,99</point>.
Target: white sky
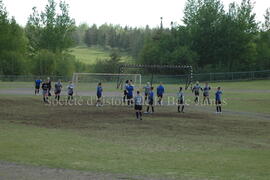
<point>124,12</point>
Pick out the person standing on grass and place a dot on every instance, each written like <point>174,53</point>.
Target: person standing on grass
<point>218,100</point>
<point>99,94</point>
<point>130,89</point>
<point>37,85</point>
<point>70,90</point>
<point>206,90</point>
<point>150,101</point>
<point>45,91</point>
<point>196,89</point>
<point>50,86</point>
<point>147,89</point>
<point>57,89</point>
<point>125,91</point>
<point>181,100</point>
<point>138,101</point>
<point>160,92</point>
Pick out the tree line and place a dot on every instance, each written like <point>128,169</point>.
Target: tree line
<point>41,47</point>
<point>210,39</point>
<point>126,38</point>
<point>214,40</point>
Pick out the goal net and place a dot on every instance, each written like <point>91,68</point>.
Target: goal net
<point>86,83</point>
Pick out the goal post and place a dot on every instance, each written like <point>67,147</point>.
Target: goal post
<point>153,70</point>
<point>88,81</point>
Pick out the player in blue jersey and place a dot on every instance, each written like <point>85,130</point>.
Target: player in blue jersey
<point>160,92</point>
<point>196,89</point>
<point>181,100</point>
<point>130,89</point>
<point>218,99</point>
<point>37,85</point>
<point>150,101</point>
<point>99,94</point>
<point>206,90</point>
<point>138,101</point>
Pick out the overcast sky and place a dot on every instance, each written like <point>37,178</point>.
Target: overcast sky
<point>124,12</point>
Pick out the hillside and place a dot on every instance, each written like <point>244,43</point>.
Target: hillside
<point>90,55</point>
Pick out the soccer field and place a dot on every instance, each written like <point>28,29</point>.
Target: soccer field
<point>198,144</point>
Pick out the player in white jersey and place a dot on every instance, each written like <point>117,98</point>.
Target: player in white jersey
<point>138,101</point>
<point>147,89</point>
<point>70,89</point>
<point>196,89</point>
<point>206,90</point>
<point>57,89</point>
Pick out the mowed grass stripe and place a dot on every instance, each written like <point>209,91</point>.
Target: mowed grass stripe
<point>90,55</point>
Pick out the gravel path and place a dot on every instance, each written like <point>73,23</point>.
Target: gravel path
<point>13,171</point>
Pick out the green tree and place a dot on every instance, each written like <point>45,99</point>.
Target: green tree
<point>50,30</point>
<point>263,51</point>
<point>223,41</point>
<point>79,34</point>
<point>12,45</point>
<point>108,65</point>
<point>266,25</point>
<point>91,36</point>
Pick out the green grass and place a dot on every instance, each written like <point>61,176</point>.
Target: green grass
<point>195,145</point>
<point>66,149</point>
<point>90,55</point>
<point>250,96</point>
<point>248,102</point>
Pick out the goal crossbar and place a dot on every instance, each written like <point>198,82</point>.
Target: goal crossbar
<point>118,78</point>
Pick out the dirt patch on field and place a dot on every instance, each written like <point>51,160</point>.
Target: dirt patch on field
<point>31,111</point>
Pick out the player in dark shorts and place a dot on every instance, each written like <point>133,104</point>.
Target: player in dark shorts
<point>45,90</point>
<point>196,89</point>
<point>99,94</point>
<point>181,100</point>
<point>37,85</point>
<point>150,101</point>
<point>57,89</point>
<point>125,91</point>
<point>206,90</point>
<point>160,92</point>
<point>130,89</point>
<point>138,101</point>
<point>70,89</point>
<point>147,89</point>
<point>50,86</point>
<point>218,100</point>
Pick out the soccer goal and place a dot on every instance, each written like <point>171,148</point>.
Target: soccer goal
<point>171,74</point>
<point>85,83</point>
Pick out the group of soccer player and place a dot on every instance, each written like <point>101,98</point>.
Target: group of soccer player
<point>138,99</point>
<point>128,98</point>
<point>206,90</point>
<point>46,87</point>
<point>149,97</point>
